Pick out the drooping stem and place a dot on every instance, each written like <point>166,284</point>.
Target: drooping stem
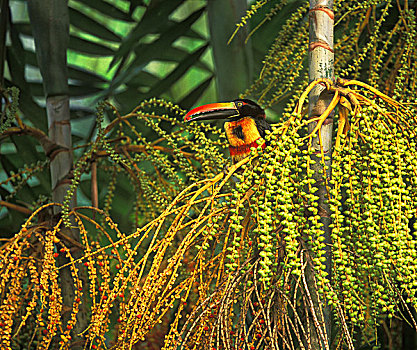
<point>321,65</point>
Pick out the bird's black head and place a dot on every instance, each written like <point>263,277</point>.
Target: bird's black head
<point>234,110</point>
<point>248,108</point>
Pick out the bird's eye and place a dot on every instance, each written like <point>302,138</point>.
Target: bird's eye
<point>239,104</point>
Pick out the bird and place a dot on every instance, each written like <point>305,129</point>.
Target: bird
<point>245,124</point>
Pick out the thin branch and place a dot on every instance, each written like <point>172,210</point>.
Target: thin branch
<point>16,207</point>
<point>51,148</point>
<point>144,149</point>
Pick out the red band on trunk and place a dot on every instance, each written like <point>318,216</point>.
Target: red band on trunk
<point>315,44</point>
<point>328,11</point>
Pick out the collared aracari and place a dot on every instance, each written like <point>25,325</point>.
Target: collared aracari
<point>245,124</point>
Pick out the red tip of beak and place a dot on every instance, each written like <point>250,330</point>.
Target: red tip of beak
<point>187,117</point>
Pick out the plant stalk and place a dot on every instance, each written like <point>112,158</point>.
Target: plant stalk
<point>50,26</point>
<point>321,65</point>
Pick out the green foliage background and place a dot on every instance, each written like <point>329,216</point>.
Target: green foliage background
<point>124,51</point>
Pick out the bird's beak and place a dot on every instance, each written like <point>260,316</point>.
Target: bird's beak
<point>212,111</point>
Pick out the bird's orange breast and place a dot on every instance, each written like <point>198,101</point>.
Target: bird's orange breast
<point>242,134</point>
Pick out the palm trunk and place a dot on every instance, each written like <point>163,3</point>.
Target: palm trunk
<point>50,25</point>
<point>60,133</point>
<point>321,65</point>
<point>233,62</point>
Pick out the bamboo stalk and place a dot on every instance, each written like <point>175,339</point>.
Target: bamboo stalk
<point>50,26</point>
<point>94,185</point>
<point>321,65</point>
